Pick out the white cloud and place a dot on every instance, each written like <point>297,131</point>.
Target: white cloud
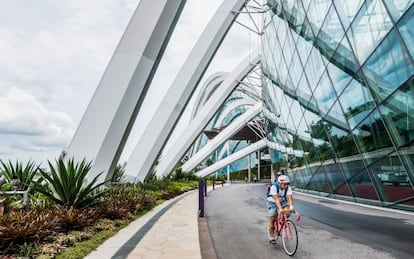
<point>27,126</point>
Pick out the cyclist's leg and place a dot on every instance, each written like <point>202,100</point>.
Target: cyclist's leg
<point>271,214</point>
<point>271,227</point>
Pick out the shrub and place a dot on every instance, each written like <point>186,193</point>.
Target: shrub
<point>19,227</point>
<point>114,208</point>
<point>66,184</point>
<point>71,218</point>
<point>122,200</point>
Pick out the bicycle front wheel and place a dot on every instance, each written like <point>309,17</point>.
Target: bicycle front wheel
<point>290,238</point>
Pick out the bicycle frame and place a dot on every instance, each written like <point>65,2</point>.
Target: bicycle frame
<point>287,229</point>
<point>281,220</point>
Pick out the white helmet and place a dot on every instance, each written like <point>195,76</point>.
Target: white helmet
<point>283,179</point>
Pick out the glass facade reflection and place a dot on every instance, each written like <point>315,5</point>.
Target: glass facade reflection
<point>339,76</point>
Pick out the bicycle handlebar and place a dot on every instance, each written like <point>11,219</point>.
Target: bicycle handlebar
<point>298,217</point>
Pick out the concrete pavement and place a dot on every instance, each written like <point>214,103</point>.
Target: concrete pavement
<point>170,230</point>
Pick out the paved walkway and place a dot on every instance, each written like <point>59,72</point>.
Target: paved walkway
<point>170,230</point>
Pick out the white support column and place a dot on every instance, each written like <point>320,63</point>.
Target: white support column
<point>232,158</point>
<point>106,124</point>
<point>272,173</point>
<point>160,127</point>
<point>228,166</point>
<point>217,159</point>
<point>224,135</point>
<point>173,155</point>
<point>249,170</point>
<point>258,165</point>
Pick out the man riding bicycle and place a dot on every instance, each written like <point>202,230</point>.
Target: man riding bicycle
<point>278,198</point>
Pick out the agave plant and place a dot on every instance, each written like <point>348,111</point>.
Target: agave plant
<point>26,174</point>
<point>119,173</point>
<point>66,184</point>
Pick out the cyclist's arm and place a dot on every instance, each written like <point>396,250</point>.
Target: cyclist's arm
<point>290,201</point>
<point>277,201</point>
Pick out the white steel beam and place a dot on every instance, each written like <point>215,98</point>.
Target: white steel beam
<point>107,122</point>
<point>232,106</point>
<point>173,155</point>
<point>208,86</point>
<point>160,127</point>
<point>232,158</point>
<point>224,135</point>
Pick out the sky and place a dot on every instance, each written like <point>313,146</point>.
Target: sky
<point>53,54</point>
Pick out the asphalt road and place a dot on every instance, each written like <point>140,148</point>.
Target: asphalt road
<point>236,218</point>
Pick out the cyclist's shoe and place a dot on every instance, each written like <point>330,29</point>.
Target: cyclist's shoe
<point>272,241</point>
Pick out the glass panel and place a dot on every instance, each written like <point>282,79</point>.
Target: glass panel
<point>298,15</point>
<point>343,190</point>
<point>407,157</point>
<point>347,9</point>
<point>347,147</point>
<point>279,96</point>
<point>409,203</point>
<point>388,67</point>
<point>339,78</point>
<point>398,113</point>
<point>316,14</point>
<point>357,102</point>
<point>288,46</point>
<point>324,94</point>
<point>319,182</point>
<point>363,186</point>
<point>335,176</point>
<point>296,113</point>
<point>336,117</point>
<point>306,175</point>
<point>371,135</point>
<point>295,70</point>
<point>392,180</point>
<point>303,131</point>
<point>314,68</point>
<point>303,92</point>
<point>335,134</point>
<point>313,154</point>
<point>398,7</point>
<point>321,140</point>
<point>345,59</point>
<point>304,48</point>
<point>284,110</point>
<point>406,27</point>
<point>368,28</point>
<point>331,33</point>
<point>351,166</point>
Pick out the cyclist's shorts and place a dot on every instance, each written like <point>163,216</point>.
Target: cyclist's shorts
<point>272,208</point>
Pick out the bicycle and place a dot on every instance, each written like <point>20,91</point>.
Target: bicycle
<point>287,229</point>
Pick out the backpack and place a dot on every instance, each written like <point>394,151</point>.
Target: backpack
<point>276,184</point>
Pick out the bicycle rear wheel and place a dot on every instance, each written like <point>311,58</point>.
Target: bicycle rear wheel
<point>290,238</point>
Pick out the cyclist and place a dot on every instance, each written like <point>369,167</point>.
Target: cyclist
<point>278,198</point>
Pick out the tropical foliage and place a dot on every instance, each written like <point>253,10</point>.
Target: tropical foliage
<point>66,184</point>
<point>19,227</point>
<point>65,209</point>
<point>119,173</point>
<point>26,174</point>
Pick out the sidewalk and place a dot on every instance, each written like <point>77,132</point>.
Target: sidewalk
<point>170,230</point>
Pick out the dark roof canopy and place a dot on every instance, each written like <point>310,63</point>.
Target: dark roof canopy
<point>245,133</point>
